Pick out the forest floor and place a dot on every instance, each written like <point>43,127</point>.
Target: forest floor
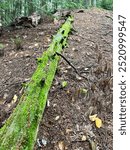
<point>65,124</point>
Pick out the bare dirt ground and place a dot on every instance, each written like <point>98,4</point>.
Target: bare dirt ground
<point>65,124</point>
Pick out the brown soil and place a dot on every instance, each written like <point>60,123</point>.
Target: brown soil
<point>65,124</point>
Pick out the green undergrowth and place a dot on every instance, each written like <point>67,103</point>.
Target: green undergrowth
<point>20,130</point>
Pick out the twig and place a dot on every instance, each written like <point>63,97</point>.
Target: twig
<point>71,65</point>
<point>107,33</point>
<point>109,17</point>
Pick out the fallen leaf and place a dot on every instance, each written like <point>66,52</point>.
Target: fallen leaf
<point>15,98</point>
<point>85,69</point>
<point>98,122</point>
<point>93,117</point>
<point>48,39</point>
<point>84,138</point>
<point>68,131</point>
<point>8,105</point>
<point>93,145</point>
<point>5,96</point>
<point>61,145</point>
<point>69,68</point>
<point>36,44</point>
<point>1,101</point>
<point>57,118</point>
<point>56,22</point>
<point>68,91</point>
<point>65,71</point>
<point>44,142</point>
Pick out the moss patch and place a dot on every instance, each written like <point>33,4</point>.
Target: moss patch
<point>20,130</point>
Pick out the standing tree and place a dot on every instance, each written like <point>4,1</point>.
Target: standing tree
<point>94,3</point>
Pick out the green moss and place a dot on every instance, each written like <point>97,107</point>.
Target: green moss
<point>20,130</point>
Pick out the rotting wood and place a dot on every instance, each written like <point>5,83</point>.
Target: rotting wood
<point>20,130</point>
<point>27,21</point>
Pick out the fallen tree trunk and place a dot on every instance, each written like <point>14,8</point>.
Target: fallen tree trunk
<point>20,130</point>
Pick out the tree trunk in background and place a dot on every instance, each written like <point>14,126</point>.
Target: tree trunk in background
<point>25,7</point>
<point>94,2</point>
<point>85,3</point>
<point>30,7</point>
<point>89,3</point>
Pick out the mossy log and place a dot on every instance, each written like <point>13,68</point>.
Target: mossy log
<point>20,130</point>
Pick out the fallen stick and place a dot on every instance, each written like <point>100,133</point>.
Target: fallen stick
<point>20,130</point>
<point>76,71</point>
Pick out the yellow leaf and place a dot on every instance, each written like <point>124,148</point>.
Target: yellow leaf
<point>61,145</point>
<point>93,117</point>
<point>98,122</point>
<point>15,98</point>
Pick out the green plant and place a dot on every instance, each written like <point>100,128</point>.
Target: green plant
<point>18,43</point>
<point>1,50</point>
<point>1,46</point>
<point>64,84</point>
<point>107,4</point>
